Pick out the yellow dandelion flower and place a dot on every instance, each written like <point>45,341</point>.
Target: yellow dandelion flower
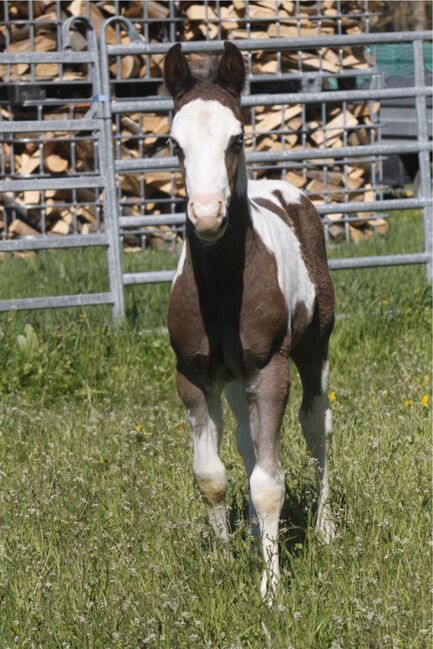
<point>408,403</point>
<point>332,397</point>
<point>139,428</point>
<point>385,301</point>
<point>425,399</point>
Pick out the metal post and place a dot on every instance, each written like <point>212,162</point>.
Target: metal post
<point>111,208</point>
<point>423,155</point>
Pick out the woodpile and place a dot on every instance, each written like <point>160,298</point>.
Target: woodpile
<point>268,128</point>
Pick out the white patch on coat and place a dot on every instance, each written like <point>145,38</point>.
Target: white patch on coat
<point>267,495</point>
<point>203,129</point>
<point>180,264</point>
<point>208,468</point>
<point>281,241</point>
<point>267,491</point>
<point>264,188</point>
<point>325,376</point>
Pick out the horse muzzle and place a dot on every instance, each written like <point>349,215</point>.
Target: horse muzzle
<point>207,212</point>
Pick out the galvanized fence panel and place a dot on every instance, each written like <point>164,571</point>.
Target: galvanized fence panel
<point>284,159</point>
<point>99,189</point>
<point>70,192</point>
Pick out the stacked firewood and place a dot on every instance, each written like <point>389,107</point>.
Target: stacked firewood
<point>268,128</point>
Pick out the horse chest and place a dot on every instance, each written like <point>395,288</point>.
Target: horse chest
<point>234,329</point>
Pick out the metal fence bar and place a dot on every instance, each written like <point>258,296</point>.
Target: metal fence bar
<point>140,47</point>
<point>151,277</point>
<point>48,57</point>
<point>50,243</point>
<point>331,208</point>
<point>350,263</point>
<point>373,262</point>
<point>423,155</point>
<point>268,99</point>
<point>66,182</point>
<point>56,302</point>
<point>60,125</point>
<point>171,162</point>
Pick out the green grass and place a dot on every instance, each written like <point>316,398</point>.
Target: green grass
<point>103,538</point>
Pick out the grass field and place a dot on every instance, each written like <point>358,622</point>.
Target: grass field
<point>103,538</point>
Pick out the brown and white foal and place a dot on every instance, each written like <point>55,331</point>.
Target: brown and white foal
<point>252,288</point>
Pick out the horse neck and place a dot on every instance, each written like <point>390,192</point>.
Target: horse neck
<point>223,262</point>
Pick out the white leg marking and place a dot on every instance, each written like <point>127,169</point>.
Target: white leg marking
<point>209,470</point>
<point>316,424</point>
<point>235,393</point>
<point>267,494</point>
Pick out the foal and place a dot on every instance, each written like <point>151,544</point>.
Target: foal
<point>251,289</point>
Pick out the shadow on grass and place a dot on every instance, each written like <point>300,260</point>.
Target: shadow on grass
<point>297,518</point>
<point>297,513</point>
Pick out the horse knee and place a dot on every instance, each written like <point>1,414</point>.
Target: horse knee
<point>267,492</point>
<point>211,479</point>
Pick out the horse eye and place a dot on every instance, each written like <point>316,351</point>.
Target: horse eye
<point>238,141</point>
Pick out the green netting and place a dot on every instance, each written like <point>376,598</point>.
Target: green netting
<point>396,60</point>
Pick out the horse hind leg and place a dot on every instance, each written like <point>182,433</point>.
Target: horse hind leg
<point>315,417</point>
<point>238,402</point>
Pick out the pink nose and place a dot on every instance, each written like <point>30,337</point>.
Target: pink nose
<point>206,212</point>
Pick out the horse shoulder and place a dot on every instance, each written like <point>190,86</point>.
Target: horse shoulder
<point>185,324</point>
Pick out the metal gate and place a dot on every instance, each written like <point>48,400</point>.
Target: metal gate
<point>280,159</point>
<point>80,188</point>
<point>104,179</point>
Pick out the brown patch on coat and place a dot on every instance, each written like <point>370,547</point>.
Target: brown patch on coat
<point>299,322</point>
<point>209,91</point>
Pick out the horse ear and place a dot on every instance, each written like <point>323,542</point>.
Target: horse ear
<point>177,74</point>
<point>231,69</point>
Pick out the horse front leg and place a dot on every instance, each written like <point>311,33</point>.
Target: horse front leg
<point>268,394</point>
<point>205,416</point>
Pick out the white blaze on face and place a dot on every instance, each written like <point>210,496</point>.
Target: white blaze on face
<point>203,130</point>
